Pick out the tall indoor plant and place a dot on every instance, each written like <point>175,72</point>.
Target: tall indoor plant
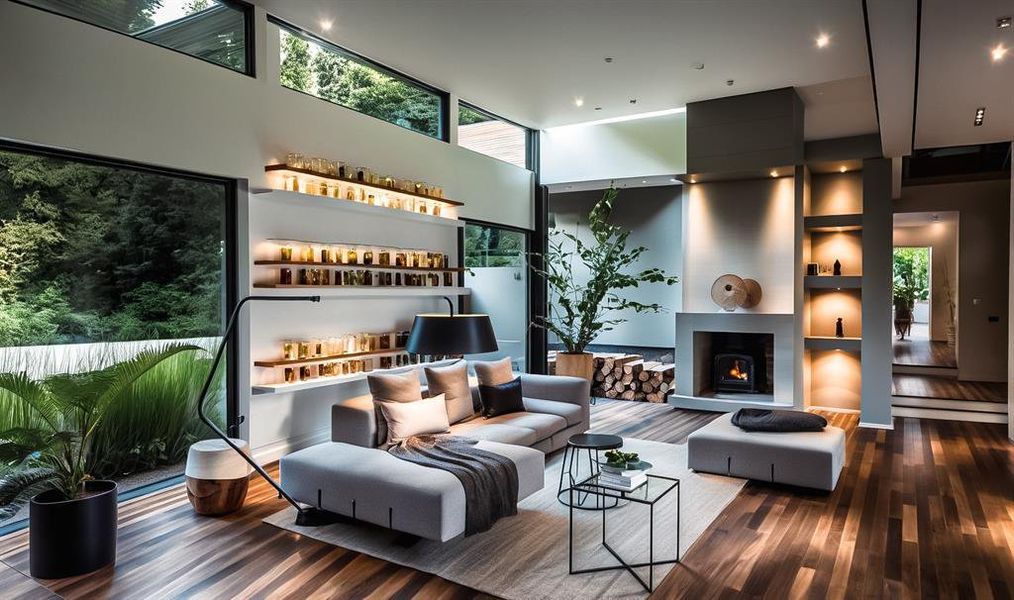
<point>910,285</point>
<point>583,306</point>
<point>47,428</point>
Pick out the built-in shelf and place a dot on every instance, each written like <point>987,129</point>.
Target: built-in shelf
<point>283,168</point>
<point>833,223</point>
<point>318,382</point>
<point>819,342</point>
<point>365,291</point>
<point>833,282</point>
<point>300,263</point>
<point>284,362</point>
<point>359,207</point>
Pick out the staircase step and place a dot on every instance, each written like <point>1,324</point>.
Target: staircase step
<point>948,415</point>
<point>927,370</point>
<point>944,404</point>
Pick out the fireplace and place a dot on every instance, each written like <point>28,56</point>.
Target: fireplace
<point>734,373</point>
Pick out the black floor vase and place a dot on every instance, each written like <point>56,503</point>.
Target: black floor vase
<point>72,537</point>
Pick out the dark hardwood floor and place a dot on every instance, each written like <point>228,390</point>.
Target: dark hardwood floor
<point>921,511</point>
<point>923,353</point>
<point>948,388</point>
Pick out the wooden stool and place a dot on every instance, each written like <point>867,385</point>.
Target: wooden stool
<point>217,477</point>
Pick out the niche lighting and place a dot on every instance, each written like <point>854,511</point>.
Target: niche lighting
<point>326,24</point>
<point>774,173</point>
<point>998,52</point>
<point>823,40</point>
<point>843,169</point>
<point>579,102</point>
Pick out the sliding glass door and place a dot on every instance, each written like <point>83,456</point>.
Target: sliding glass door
<point>497,274</point>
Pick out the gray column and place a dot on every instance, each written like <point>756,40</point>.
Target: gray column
<point>878,223</point>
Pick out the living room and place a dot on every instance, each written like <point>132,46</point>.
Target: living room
<point>258,260</point>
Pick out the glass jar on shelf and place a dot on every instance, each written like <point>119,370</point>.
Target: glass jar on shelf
<point>289,350</point>
<point>350,193</point>
<point>367,256</point>
<point>361,174</point>
<point>436,209</point>
<point>400,259</point>
<point>306,253</point>
<point>285,276</point>
<point>290,183</point>
<point>422,206</point>
<point>351,256</point>
<point>325,255</point>
<point>291,375</point>
<point>285,253</point>
<point>325,277</point>
<point>307,372</point>
<point>303,349</point>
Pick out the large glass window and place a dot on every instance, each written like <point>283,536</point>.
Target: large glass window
<point>492,136</point>
<point>99,265</point>
<point>323,70</point>
<point>212,30</point>
<point>498,277</point>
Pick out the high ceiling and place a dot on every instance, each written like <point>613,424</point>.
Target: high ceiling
<point>528,60</point>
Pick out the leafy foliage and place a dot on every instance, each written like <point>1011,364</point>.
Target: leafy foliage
<point>911,276</point>
<point>580,311</point>
<point>493,247</point>
<point>310,68</point>
<point>93,253</point>
<point>58,432</point>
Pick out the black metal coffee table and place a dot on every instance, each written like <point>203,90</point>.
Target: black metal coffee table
<point>591,444</point>
<point>648,493</point>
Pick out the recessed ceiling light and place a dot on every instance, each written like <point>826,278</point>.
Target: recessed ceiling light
<point>633,100</point>
<point>823,40</point>
<point>598,108</point>
<point>774,173</point>
<point>697,66</point>
<point>998,52</point>
<point>980,115</point>
<point>325,24</point>
<point>608,59</point>
<point>843,169</point>
<point>579,102</point>
<point>729,82</point>
<point>1003,23</point>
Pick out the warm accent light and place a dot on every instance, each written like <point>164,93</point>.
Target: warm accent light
<point>326,24</point>
<point>692,180</point>
<point>823,40</point>
<point>579,102</point>
<point>774,173</point>
<point>843,169</point>
<point>998,52</point>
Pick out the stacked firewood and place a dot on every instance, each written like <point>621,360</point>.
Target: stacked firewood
<point>630,377</point>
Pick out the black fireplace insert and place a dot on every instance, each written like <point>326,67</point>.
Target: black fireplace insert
<point>734,373</point>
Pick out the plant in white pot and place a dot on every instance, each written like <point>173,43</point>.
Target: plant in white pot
<point>47,430</point>
<point>583,306</point>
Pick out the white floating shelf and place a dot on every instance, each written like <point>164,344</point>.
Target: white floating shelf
<point>819,342</point>
<point>279,388</point>
<point>833,281</point>
<point>340,291</point>
<point>358,207</point>
<point>830,223</point>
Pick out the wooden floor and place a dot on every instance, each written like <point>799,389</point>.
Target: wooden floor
<point>923,353</point>
<point>921,511</point>
<point>948,388</point>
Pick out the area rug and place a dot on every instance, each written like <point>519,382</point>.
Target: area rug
<point>526,556</point>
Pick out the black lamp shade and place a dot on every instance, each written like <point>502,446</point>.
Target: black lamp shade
<point>446,335</point>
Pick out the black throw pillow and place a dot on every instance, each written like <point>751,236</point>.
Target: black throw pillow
<point>501,399</point>
<point>784,421</point>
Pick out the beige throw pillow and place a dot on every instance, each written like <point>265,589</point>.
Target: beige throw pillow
<point>495,372</point>
<point>405,419</point>
<point>452,382</point>
<point>392,387</point>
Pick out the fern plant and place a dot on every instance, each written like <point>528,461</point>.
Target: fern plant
<point>47,427</point>
<point>580,309</point>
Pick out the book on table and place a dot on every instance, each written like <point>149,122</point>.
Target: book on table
<point>619,482</point>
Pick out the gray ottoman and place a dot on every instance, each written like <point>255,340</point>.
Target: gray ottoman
<point>812,459</point>
<point>373,486</point>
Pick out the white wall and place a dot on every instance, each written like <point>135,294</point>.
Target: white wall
<point>71,85</point>
<point>942,238</point>
<point>654,216</point>
<point>746,228</point>
<point>638,148</point>
<point>502,293</point>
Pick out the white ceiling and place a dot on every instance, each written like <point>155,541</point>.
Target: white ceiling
<point>921,219</point>
<point>528,60</point>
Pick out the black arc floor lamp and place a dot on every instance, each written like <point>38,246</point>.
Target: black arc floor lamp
<point>307,516</point>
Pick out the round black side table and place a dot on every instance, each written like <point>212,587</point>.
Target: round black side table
<point>591,444</point>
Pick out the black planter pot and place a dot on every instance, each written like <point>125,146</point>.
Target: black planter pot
<point>72,537</point>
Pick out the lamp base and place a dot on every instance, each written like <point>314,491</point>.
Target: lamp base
<point>316,517</point>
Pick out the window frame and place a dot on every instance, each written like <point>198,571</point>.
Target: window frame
<point>444,98</point>
<point>243,7</point>
<point>529,133</point>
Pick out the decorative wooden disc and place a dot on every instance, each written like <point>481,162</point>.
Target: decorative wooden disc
<point>753,294</point>
<point>728,291</point>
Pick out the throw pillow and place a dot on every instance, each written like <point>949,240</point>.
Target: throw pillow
<point>784,421</point>
<point>405,419</point>
<point>501,399</point>
<point>494,372</point>
<point>452,382</point>
<point>392,387</point>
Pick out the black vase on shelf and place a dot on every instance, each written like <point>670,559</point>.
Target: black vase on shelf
<point>837,268</point>
<point>839,329</point>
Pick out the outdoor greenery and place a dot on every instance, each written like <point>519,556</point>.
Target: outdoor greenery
<point>493,247</point>
<point>94,253</point>
<point>911,276</point>
<point>65,429</point>
<point>309,67</point>
<point>579,307</point>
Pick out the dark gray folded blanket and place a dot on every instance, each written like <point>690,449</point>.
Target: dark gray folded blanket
<point>490,480</point>
<point>761,419</point>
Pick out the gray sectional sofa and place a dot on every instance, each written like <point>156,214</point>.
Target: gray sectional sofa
<point>351,476</point>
